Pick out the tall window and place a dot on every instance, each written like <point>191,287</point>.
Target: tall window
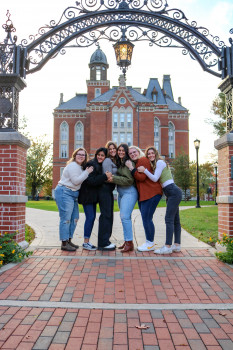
<point>98,73</point>
<point>171,140</point>
<point>122,125</point>
<point>129,120</point>
<point>122,120</point>
<point>156,134</point>
<point>115,120</point>
<point>79,138</point>
<point>64,136</point>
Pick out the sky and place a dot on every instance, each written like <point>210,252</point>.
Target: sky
<point>68,73</point>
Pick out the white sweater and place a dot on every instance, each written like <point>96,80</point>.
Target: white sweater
<point>73,175</point>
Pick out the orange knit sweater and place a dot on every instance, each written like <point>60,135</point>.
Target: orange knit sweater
<point>146,188</point>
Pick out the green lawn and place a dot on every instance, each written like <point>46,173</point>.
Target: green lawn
<point>202,223</point>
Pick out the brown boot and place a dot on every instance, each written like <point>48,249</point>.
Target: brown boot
<point>72,244</point>
<point>122,246</point>
<point>129,247</point>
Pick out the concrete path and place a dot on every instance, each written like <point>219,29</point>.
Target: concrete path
<point>46,225</point>
<point>102,300</point>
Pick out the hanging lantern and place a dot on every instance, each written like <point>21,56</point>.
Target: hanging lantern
<point>123,51</point>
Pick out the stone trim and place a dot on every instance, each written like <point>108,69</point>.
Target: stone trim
<point>14,138</point>
<point>13,199</point>
<point>224,141</point>
<point>225,199</point>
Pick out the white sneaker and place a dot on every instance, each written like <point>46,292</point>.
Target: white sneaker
<point>111,246</point>
<point>146,247</point>
<point>176,248</point>
<point>163,250</point>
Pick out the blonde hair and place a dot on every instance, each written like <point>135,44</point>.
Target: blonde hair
<point>157,156</point>
<point>141,154</point>
<point>72,159</point>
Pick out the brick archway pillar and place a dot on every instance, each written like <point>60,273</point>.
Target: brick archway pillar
<point>13,152</point>
<point>224,145</point>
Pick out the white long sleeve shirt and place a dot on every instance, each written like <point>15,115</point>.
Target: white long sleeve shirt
<point>73,176</point>
<point>160,165</point>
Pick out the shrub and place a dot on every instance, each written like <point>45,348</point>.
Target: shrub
<point>10,251</point>
<point>227,256</point>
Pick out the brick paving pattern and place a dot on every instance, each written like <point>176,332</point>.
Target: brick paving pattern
<point>191,277</point>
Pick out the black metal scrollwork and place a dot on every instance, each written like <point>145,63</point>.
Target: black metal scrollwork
<point>82,25</point>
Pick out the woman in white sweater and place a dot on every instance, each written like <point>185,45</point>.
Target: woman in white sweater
<point>66,196</point>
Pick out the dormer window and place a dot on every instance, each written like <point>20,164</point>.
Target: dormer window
<point>97,92</point>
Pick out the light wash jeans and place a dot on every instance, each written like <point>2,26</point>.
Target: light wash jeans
<point>67,202</point>
<point>127,197</point>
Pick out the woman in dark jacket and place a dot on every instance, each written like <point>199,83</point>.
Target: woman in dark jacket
<point>90,194</point>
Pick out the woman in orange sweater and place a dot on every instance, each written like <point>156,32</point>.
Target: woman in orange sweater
<point>150,194</point>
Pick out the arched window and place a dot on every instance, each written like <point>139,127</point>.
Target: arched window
<point>97,92</point>
<point>157,134</point>
<point>64,136</point>
<point>79,135</point>
<point>171,140</point>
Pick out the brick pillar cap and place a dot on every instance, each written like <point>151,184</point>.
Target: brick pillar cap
<point>224,141</point>
<point>14,138</point>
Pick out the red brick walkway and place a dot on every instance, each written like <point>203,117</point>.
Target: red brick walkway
<point>168,296</point>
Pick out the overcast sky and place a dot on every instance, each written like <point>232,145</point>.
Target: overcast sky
<point>68,73</point>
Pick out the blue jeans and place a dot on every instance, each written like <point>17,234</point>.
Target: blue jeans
<point>127,197</point>
<point>67,202</point>
<point>90,213</point>
<point>172,217</point>
<point>147,209</point>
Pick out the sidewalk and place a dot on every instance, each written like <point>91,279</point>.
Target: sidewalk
<point>103,300</point>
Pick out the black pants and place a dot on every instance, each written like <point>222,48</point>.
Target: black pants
<point>172,217</point>
<point>106,203</point>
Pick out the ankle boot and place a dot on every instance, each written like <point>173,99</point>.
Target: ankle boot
<point>129,247</point>
<point>122,246</point>
<point>66,246</point>
<point>72,244</point>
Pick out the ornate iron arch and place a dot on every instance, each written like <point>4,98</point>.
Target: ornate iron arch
<point>152,21</point>
<point>93,20</point>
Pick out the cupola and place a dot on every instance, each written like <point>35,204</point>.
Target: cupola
<point>98,65</point>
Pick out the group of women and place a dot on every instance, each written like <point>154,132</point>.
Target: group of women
<point>137,177</point>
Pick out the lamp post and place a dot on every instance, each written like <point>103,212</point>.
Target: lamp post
<point>123,51</point>
<point>197,145</point>
<point>216,181</point>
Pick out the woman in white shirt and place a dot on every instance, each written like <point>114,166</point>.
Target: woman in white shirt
<point>66,196</point>
<point>174,196</point>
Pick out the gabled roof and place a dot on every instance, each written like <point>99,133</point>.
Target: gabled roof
<point>105,97</point>
<point>77,102</point>
<point>174,106</point>
<point>154,84</point>
<point>138,97</point>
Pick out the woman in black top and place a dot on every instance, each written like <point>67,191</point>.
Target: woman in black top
<point>89,196</point>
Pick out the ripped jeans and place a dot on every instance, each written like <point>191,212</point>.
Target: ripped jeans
<point>67,202</point>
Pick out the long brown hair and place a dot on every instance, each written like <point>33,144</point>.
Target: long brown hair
<point>108,144</point>
<point>157,156</point>
<point>72,159</point>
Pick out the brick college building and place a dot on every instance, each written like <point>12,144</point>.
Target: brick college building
<point>121,114</point>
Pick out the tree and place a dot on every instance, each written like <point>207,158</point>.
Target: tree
<point>206,178</point>
<point>39,166</point>
<point>182,172</point>
<point>218,108</point>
